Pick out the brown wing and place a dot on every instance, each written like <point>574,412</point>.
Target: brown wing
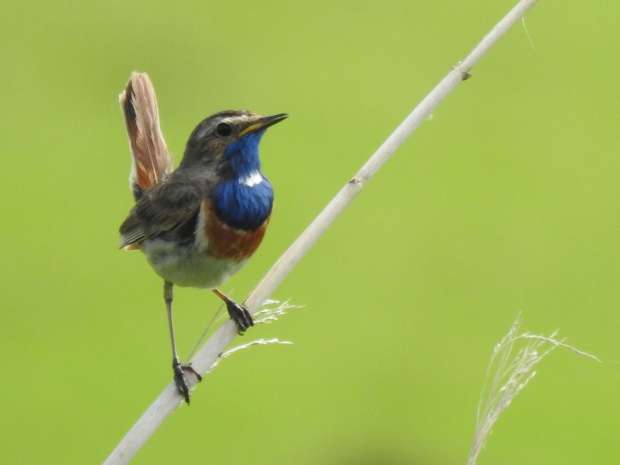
<point>151,160</point>
<point>168,210</point>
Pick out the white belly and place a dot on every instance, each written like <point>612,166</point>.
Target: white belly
<point>186,266</point>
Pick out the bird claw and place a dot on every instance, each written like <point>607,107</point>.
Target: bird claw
<point>179,378</point>
<point>240,315</point>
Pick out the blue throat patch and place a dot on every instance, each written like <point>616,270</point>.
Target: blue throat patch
<point>244,205</point>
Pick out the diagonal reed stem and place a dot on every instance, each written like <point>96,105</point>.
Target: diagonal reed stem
<point>169,399</point>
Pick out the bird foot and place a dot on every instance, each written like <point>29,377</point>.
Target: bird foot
<point>180,380</point>
<point>240,315</point>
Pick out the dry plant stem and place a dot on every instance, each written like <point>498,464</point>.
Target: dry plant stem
<point>168,400</point>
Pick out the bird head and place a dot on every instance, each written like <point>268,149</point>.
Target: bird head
<point>228,141</point>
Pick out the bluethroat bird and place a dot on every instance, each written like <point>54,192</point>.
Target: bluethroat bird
<point>198,224</point>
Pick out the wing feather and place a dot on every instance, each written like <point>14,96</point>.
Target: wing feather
<point>161,211</point>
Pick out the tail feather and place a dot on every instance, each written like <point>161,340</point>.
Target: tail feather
<point>151,161</point>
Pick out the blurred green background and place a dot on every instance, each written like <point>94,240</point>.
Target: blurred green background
<point>505,201</point>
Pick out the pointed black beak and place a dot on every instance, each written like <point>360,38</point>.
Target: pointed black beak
<point>263,123</point>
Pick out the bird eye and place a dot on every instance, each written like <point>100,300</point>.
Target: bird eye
<point>223,129</point>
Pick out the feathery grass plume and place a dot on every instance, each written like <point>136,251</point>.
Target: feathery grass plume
<point>247,345</point>
<point>271,310</point>
<point>510,369</point>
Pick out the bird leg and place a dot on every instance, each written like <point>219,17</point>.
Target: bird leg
<point>238,313</point>
<point>178,368</point>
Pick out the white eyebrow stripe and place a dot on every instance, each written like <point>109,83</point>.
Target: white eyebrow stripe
<point>252,179</point>
<point>235,119</point>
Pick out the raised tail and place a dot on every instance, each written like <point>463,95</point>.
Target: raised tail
<point>151,161</point>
